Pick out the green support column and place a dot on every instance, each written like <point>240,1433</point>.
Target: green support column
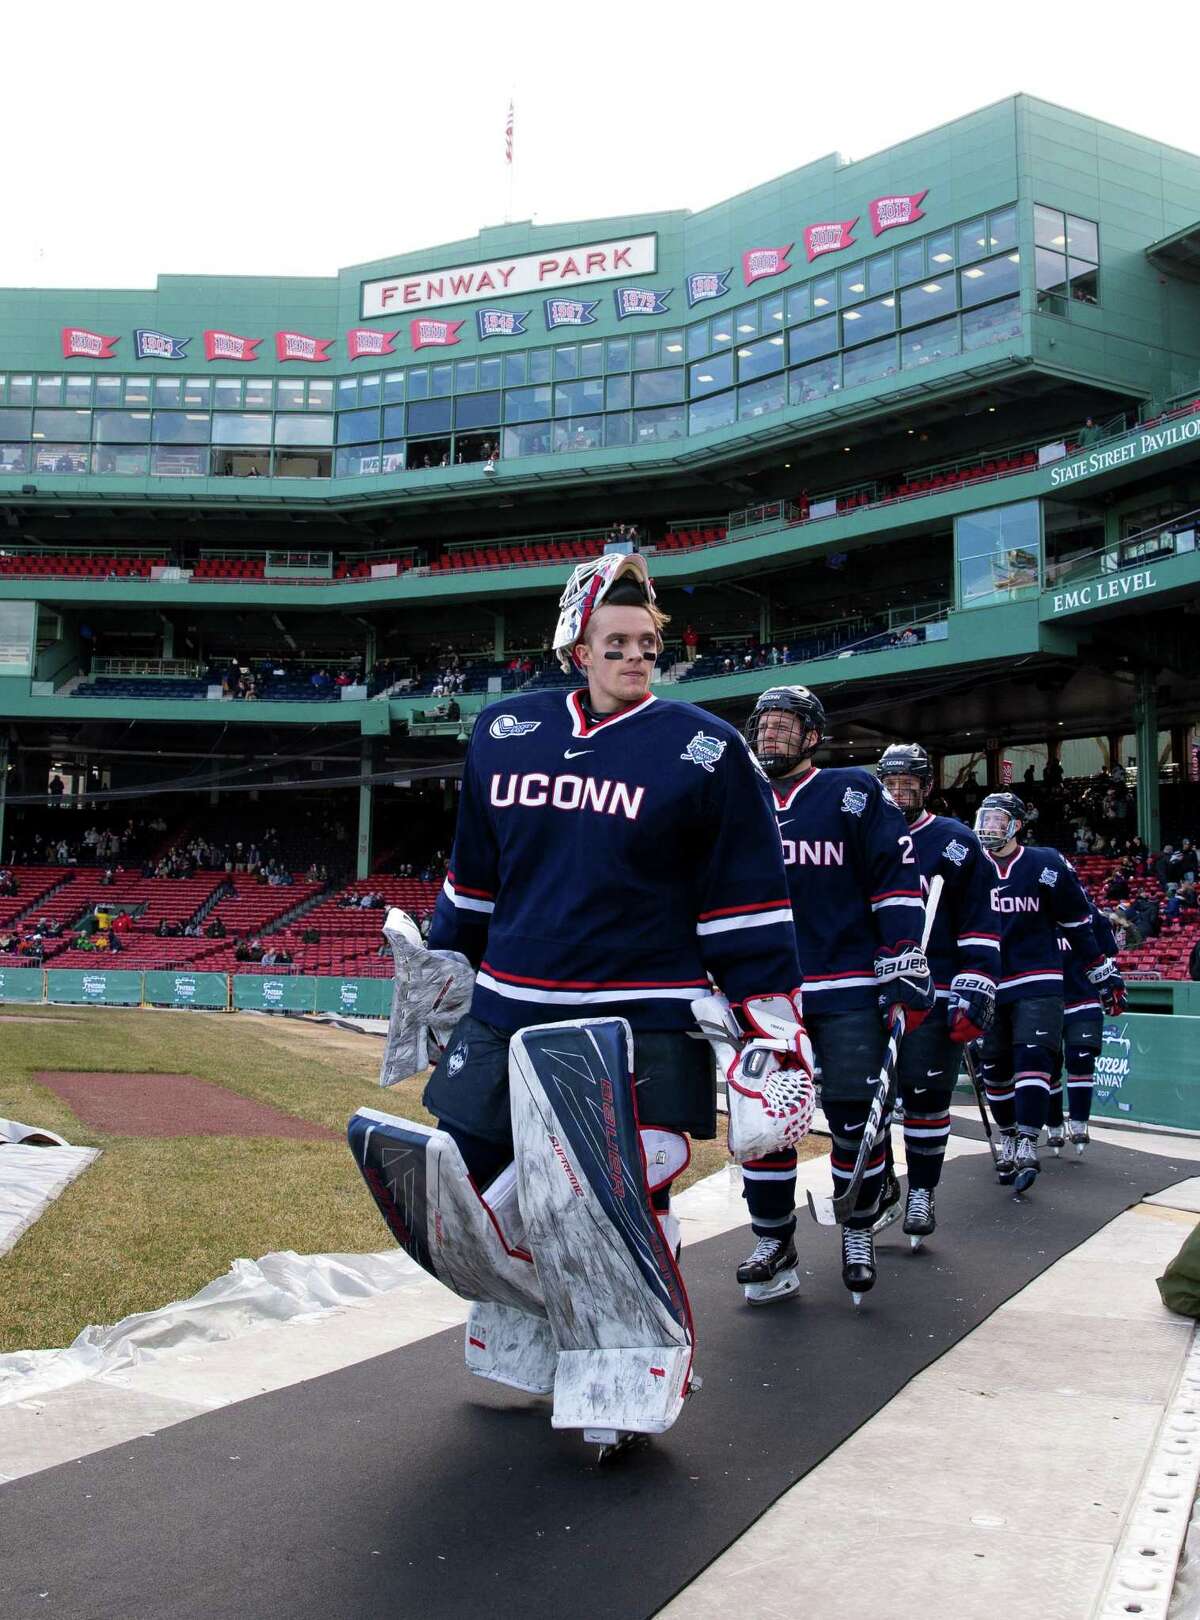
<point>764,622</point>
<point>3,789</point>
<point>366,810</point>
<point>1145,720</point>
<point>498,635</point>
<point>370,653</point>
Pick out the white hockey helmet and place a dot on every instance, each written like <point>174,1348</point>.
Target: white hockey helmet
<point>585,591</point>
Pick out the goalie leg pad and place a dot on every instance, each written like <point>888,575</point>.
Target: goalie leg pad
<point>511,1347</point>
<point>613,1292</point>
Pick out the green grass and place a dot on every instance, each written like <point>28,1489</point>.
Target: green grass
<point>154,1220</point>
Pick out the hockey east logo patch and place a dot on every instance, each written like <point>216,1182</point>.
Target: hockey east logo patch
<point>854,802</point>
<point>1049,877</point>
<point>704,750</point>
<point>507,725</point>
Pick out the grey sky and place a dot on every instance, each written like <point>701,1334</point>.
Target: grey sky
<point>261,138</point>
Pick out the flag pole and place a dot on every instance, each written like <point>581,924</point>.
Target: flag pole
<point>508,158</point>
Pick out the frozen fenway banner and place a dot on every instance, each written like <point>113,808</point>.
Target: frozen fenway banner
<point>704,284</point>
<point>79,344</point>
<point>640,301</point>
<point>228,346</point>
<point>363,341</point>
<point>765,261</point>
<point>570,312</point>
<point>493,323</point>
<point>296,346</point>
<point>829,237</point>
<point>496,278</point>
<point>159,346</point>
<point>888,212</point>
<point>433,334</point>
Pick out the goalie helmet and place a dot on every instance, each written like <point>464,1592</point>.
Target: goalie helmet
<point>585,591</point>
<point>999,819</point>
<point>780,748</point>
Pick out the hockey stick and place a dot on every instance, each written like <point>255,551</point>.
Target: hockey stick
<point>830,1211</point>
<point>977,1085</point>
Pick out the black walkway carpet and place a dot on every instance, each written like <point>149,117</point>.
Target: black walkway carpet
<point>402,1488</point>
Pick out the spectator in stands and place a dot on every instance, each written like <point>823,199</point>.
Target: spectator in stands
<point>1124,930</point>
<point>1188,899</point>
<point>1172,905</point>
<point>106,882</point>
<point>1168,868</point>
<point>691,642</point>
<point>215,929</point>
<point>1189,860</point>
<point>8,883</point>
<point>243,952</point>
<point>1089,433</point>
<point>8,940</point>
<point>57,789</point>
<point>1146,915</point>
<point>1117,887</point>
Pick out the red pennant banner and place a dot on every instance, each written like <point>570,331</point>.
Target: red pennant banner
<point>829,237</point>
<point>888,212</point>
<point>433,334</point>
<point>296,346</point>
<point>80,344</point>
<point>362,341</point>
<point>228,346</point>
<point>760,262</point>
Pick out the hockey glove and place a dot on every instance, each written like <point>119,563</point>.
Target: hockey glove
<point>768,1077</point>
<point>905,981</point>
<point>1109,985</point>
<point>972,1006</point>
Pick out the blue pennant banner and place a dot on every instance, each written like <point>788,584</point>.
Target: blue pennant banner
<point>570,312</point>
<point>640,301</point>
<point>158,346</point>
<point>707,284</point>
<point>500,322</point>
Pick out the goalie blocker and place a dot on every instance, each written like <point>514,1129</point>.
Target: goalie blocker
<point>571,1271</point>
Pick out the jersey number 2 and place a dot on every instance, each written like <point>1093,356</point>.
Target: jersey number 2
<point>908,858</point>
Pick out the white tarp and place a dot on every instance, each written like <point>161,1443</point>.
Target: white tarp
<point>32,1177</point>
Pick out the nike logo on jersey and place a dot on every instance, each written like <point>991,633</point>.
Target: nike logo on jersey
<point>574,753</point>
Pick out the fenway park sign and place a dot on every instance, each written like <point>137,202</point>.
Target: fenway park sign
<point>493,278</point>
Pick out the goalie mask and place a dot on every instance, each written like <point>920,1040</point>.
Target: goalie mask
<point>901,760</point>
<point>779,727</point>
<point>998,820</point>
<point>586,590</point>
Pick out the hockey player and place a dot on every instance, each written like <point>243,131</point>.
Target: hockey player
<point>612,852</point>
<point>964,958</point>
<point>855,888</point>
<point>1083,1040</point>
<point>1035,893</point>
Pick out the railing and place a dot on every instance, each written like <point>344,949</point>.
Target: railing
<point>152,667</point>
<point>1173,538</point>
<point>754,517</point>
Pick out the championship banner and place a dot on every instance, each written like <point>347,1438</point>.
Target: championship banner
<point>363,341</point>
<point>569,312</point>
<point>501,322</point>
<point>80,344</point>
<point>228,346</point>
<point>829,237</point>
<point>888,212</point>
<point>433,334</point>
<point>707,284</point>
<point>640,301</point>
<point>158,346</point>
<point>760,262</point>
<point>298,346</point>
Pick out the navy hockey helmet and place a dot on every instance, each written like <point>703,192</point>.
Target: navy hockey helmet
<point>906,759</point>
<point>999,819</point>
<point>783,746</point>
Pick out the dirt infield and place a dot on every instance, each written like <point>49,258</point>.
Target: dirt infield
<point>172,1105</point>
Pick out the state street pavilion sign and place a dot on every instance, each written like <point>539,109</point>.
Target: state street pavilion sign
<point>494,278</point>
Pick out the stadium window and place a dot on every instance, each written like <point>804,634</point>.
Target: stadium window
<point>303,464</point>
<point>710,376</point>
<point>937,296</point>
<point>14,424</point>
<point>108,391</point>
<point>527,439</point>
<point>868,364</point>
<point>972,240</point>
<point>229,428</point>
<point>722,331</point>
<point>578,433</point>
<point>393,388</point>
<point>991,323</point>
<point>817,338</point>
<point>441,381</point>
<point>991,279</point>
<point>481,410</point>
<point>3,387</point>
<point>425,453</point>
<point>393,421</point>
<point>1002,229</point>
<point>1085,282</point>
<point>880,278</point>
<point>579,398</point>
<point>869,321</point>
<point>121,427</point>
<point>910,261</point>
<point>526,404</point>
<point>670,347</point>
<point>997,554</point>
<point>745,322</point>
<point>618,428</point>
<point>168,462</point>
<point>772,313</point>
<point>394,453</point>
<point>939,252</point>
<point>645,351</point>
<point>658,387</point>
<point>466,376</point>
<point>353,427</point>
<point>370,388</point>
<point>706,415</point>
<point>618,392</point>
<point>181,427</point>
<point>67,425</point>
<point>60,458</point>
<point>227,393</point>
<point>197,393</point>
<point>121,460</point>
<point>347,393</point>
<point>616,354</point>
<point>591,359</point>
<point>14,458</point>
<point>824,292</point>
<point>359,461</point>
<point>257,396</point>
<point>474,447</point>
<point>49,391</point>
<point>78,390</point>
<point>1049,228</point>
<point>429,416</point>
<point>761,358</point>
<point>697,340</point>
<point>539,366</point>
<point>935,342</point>
<point>489,372</point>
<point>320,397</point>
<point>799,306</point>
<point>20,390</point>
<point>514,370</point>
<point>1051,280</point>
<point>807,383</point>
<point>761,398</point>
<point>659,426</point>
<point>566,363</point>
<point>1083,239</point>
<point>168,393</point>
<point>852,283</point>
<point>289,395</point>
<point>418,382</point>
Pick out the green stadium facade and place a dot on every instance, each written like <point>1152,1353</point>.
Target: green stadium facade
<point>922,423</point>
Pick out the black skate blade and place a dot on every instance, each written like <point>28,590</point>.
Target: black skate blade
<point>624,1442</point>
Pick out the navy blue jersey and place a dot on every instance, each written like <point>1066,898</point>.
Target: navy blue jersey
<point>1079,993</point>
<point>853,877</point>
<point>613,867</point>
<point>1035,892</point>
<point>966,936</point>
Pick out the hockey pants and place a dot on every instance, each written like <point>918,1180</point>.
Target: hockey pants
<point>1020,1060</point>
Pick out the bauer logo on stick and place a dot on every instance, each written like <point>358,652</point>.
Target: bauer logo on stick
<point>507,725</point>
<point>704,750</point>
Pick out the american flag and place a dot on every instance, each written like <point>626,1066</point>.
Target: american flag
<point>508,135</point>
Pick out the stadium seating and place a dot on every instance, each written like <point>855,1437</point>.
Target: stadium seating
<point>156,688</point>
<point>43,564</point>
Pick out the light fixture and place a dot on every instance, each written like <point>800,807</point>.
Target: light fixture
<point>974,274</point>
<point>932,287</point>
<point>787,464</point>
<point>819,303</point>
<point>1014,258</point>
<point>721,337</point>
<point>744,328</point>
<point>852,315</point>
<point>745,354</point>
<point>943,258</point>
<point>704,378</point>
<point>846,448</point>
<point>777,315</point>
<point>888,303</point>
<point>674,348</point>
<point>777,341</point>
<point>857,286</point>
<point>1058,241</point>
<point>991,410</point>
<point>911,431</point>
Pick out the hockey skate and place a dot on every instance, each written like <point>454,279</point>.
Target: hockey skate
<point>889,1204</point>
<point>858,1262</point>
<point>919,1219</point>
<point>1006,1158</point>
<point>770,1272</point>
<point>1054,1139</point>
<point>614,1443</point>
<point>1080,1136</point>
<point>1027,1164</point>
